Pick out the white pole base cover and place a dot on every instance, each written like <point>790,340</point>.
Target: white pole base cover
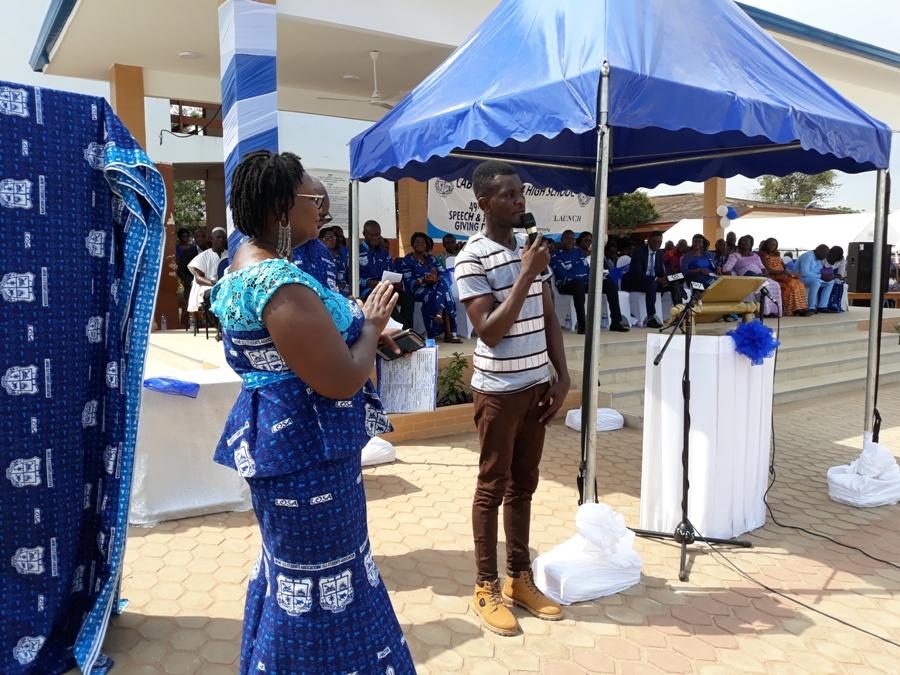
<point>598,561</point>
<point>872,479</point>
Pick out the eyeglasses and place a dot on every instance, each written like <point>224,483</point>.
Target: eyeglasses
<point>318,200</point>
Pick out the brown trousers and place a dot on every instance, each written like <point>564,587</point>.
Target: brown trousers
<point>512,440</point>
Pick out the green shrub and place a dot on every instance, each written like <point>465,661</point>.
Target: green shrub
<point>452,388</point>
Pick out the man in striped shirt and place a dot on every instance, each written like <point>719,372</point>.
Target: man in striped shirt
<point>503,282</point>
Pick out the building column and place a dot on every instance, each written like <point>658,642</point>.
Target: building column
<point>713,198</point>
<point>215,197</point>
<point>247,38</point>
<point>167,293</point>
<point>412,211</point>
<point>126,95</point>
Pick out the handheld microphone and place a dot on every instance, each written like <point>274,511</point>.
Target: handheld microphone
<point>675,277</point>
<point>530,226</point>
<point>697,286</point>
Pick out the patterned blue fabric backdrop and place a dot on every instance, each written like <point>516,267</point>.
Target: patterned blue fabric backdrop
<point>81,231</point>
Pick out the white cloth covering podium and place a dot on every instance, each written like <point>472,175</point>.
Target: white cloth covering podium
<point>731,413</point>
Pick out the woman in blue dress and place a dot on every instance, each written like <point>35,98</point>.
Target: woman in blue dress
<point>696,264</point>
<point>425,277</point>
<point>315,602</point>
<point>339,256</point>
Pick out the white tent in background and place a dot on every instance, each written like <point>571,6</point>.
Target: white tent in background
<point>799,233</point>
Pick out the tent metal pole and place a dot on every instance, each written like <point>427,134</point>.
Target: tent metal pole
<point>877,299</point>
<point>719,154</point>
<point>590,367</point>
<point>354,239</point>
<point>478,157</point>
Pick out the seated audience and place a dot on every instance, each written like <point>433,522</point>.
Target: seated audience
<point>625,251</point>
<point>672,258</point>
<point>330,237</point>
<point>696,264</point>
<point>584,242</point>
<point>374,260</point>
<point>572,274</point>
<point>451,248</point>
<point>205,267</point>
<point>793,292</point>
<point>185,251</point>
<point>731,242</point>
<point>647,275</point>
<point>424,277</point>
<point>818,279</point>
<point>789,263</point>
<point>720,256</point>
<point>745,262</point>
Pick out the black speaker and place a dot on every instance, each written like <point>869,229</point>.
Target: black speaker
<point>859,267</point>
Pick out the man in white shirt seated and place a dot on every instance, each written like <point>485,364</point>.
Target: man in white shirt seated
<point>205,268</point>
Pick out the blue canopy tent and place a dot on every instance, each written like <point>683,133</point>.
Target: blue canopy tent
<point>606,96</point>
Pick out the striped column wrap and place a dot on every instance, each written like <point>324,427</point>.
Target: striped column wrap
<point>247,32</point>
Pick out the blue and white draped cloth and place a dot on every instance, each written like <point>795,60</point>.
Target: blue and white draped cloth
<point>81,234</point>
<point>249,98</point>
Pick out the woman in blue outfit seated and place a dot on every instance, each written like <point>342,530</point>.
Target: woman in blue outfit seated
<point>331,238</point>
<point>315,602</point>
<point>697,264</point>
<point>425,277</point>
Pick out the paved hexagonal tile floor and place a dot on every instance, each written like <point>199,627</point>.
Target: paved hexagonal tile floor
<point>185,579</point>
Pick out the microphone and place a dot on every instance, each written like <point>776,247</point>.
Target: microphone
<point>697,286</point>
<point>675,277</point>
<point>530,226</point>
<point>765,291</point>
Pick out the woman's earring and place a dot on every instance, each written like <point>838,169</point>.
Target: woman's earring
<point>284,240</point>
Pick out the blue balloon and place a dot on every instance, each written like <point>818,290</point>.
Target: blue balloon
<point>732,213</point>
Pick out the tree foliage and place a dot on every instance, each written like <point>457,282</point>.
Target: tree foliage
<point>190,203</point>
<point>630,210</point>
<point>798,189</point>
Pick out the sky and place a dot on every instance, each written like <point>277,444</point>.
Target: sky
<point>873,21</point>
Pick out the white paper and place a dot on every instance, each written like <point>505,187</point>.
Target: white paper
<point>393,277</point>
<point>410,384</point>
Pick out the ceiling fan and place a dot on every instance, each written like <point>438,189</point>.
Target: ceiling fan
<point>375,99</point>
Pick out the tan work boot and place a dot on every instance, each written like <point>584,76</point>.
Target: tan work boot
<point>522,591</point>
<point>490,608</point>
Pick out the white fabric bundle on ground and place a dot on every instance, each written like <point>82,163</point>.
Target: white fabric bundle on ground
<point>872,479</point>
<point>607,419</point>
<point>596,562</point>
<point>378,451</point>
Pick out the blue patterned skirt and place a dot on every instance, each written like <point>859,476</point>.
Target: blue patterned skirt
<point>316,602</point>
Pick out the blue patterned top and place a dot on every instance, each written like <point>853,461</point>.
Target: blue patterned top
<point>279,424</point>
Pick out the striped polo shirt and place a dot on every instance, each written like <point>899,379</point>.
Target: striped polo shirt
<point>520,359</point>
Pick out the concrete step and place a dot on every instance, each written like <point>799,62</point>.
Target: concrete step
<point>851,362</point>
<point>628,399</point>
<point>836,348</point>
<point>801,389</point>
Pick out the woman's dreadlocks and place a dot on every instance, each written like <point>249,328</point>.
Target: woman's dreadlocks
<point>264,183</point>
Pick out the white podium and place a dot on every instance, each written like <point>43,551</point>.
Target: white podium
<point>731,414</point>
<point>174,472</point>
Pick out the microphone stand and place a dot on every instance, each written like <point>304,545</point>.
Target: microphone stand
<point>684,533</point>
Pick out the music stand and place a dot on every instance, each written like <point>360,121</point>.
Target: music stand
<point>726,297</point>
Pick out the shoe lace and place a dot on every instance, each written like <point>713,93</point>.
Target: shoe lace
<point>528,578</point>
<point>494,591</point>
